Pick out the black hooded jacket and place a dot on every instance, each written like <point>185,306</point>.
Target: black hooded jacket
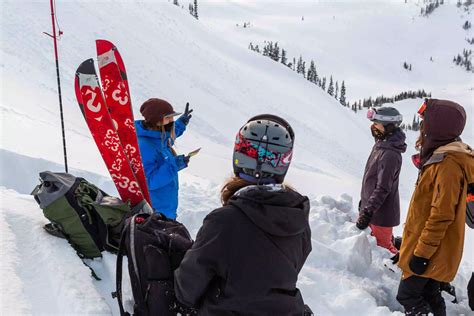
<point>379,194</point>
<point>247,255</point>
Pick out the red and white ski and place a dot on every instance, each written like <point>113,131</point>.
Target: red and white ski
<point>117,97</point>
<point>92,104</point>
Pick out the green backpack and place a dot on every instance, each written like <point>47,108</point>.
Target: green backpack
<point>87,217</point>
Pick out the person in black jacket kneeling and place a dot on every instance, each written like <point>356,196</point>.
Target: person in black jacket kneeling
<point>248,253</point>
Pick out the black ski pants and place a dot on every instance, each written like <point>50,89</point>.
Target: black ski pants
<point>470,292</point>
<point>420,296</point>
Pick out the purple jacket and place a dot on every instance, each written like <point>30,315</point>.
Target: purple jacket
<point>379,194</point>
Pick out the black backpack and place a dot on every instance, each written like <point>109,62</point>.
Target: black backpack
<point>155,246</point>
<point>470,205</point>
<point>469,200</point>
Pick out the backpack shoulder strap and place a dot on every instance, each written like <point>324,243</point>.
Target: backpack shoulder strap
<point>469,206</point>
<point>118,276</point>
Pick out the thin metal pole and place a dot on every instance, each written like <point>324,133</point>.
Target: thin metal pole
<point>59,85</point>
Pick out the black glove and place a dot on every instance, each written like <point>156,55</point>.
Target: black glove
<point>397,242</point>
<point>307,311</point>
<point>186,115</point>
<point>364,219</point>
<point>395,258</point>
<point>186,160</point>
<point>418,264</point>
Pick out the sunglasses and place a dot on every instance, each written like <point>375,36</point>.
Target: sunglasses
<point>262,154</point>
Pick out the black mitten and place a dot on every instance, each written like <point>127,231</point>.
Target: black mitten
<point>364,219</point>
<point>418,264</point>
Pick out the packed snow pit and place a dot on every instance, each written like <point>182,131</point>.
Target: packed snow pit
<point>348,274</point>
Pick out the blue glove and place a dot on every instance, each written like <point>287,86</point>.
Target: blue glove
<point>182,161</point>
<point>186,115</point>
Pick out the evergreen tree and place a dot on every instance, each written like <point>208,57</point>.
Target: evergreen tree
<point>270,50</point>
<point>337,90</point>
<point>191,9</point>
<point>331,87</point>
<point>265,50</point>
<point>342,98</point>
<point>196,10</point>
<point>300,68</point>
<point>175,2</point>
<point>276,52</point>
<point>316,77</point>
<point>312,74</point>
<point>323,84</point>
<point>467,25</point>
<point>413,124</point>
<point>283,57</point>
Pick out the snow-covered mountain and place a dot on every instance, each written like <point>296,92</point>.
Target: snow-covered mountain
<point>171,55</point>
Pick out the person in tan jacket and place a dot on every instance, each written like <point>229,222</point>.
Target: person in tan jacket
<point>433,236</point>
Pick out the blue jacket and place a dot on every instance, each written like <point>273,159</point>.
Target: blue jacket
<point>161,167</point>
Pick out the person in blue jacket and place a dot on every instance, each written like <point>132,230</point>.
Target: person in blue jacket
<point>156,137</point>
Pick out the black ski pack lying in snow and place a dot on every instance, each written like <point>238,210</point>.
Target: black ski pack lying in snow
<point>155,246</point>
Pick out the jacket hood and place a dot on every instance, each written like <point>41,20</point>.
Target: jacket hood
<point>395,142</point>
<point>458,147</point>
<point>274,209</point>
<point>443,122</point>
<point>143,132</point>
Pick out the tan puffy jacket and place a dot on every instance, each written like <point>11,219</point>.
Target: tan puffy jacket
<point>435,224</point>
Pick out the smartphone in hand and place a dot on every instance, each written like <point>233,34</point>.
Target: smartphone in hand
<point>194,152</point>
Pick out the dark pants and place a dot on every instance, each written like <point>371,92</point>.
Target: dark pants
<point>421,296</point>
<point>470,292</point>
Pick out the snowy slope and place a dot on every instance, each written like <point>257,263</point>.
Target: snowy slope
<point>163,60</point>
<point>362,42</point>
<point>169,54</point>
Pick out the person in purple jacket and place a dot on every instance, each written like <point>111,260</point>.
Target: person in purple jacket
<point>380,203</point>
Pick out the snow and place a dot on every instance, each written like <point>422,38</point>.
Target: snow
<point>169,54</point>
